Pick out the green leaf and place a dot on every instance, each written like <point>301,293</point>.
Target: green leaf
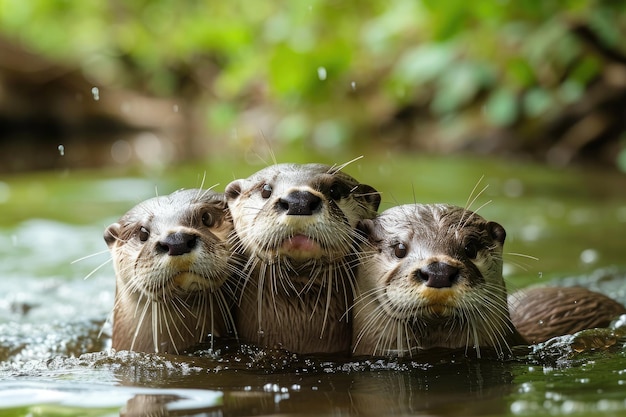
<point>423,63</point>
<point>537,101</point>
<point>501,108</point>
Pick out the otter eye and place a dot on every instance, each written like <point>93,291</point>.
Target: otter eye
<point>207,219</point>
<point>400,250</point>
<point>266,191</point>
<point>471,250</point>
<point>144,234</point>
<point>335,191</point>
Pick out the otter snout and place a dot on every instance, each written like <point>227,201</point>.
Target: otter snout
<point>300,203</point>
<point>177,243</point>
<point>438,275</point>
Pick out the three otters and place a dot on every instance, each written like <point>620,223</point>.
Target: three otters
<point>296,257</point>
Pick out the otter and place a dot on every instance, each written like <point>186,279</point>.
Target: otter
<point>541,313</point>
<point>296,226</point>
<point>172,262</point>
<point>433,278</point>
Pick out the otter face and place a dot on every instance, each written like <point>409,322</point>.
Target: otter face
<point>300,212</point>
<point>174,243</point>
<point>436,270</point>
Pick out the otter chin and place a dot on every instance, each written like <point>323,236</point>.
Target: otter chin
<point>432,278</point>
<point>296,226</point>
<point>172,263</point>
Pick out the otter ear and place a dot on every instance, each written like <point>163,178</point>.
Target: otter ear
<point>233,190</point>
<point>367,229</point>
<point>371,196</point>
<point>221,203</point>
<point>496,231</point>
<point>111,234</point>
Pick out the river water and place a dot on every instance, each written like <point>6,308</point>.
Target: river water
<point>564,227</point>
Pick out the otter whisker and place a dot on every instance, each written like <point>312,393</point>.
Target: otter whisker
<point>167,326</point>
<point>336,168</point>
<point>522,255</point>
<point>96,269</point>
<point>139,323</point>
<point>88,256</point>
<point>474,213</point>
<point>471,198</point>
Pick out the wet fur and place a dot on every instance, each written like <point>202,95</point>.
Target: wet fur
<point>541,313</point>
<point>290,298</point>
<point>397,314</point>
<point>156,309</point>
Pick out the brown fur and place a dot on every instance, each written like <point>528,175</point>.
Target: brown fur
<point>541,313</point>
<point>403,305</point>
<point>298,282</point>
<point>170,295</point>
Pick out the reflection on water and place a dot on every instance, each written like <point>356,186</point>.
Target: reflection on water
<point>69,398</point>
<point>305,385</point>
<point>54,356</point>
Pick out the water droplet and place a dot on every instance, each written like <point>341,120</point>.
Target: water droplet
<point>175,108</point>
<point>589,256</point>
<point>353,85</point>
<point>269,387</point>
<point>95,92</point>
<point>61,149</point>
<point>321,73</point>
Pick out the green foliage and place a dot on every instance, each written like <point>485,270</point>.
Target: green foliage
<point>323,63</point>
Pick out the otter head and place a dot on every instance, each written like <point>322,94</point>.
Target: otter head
<point>299,213</point>
<point>437,269</point>
<point>175,242</point>
<point>171,259</point>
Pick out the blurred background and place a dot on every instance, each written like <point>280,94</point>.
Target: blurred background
<point>119,83</point>
<point>106,103</point>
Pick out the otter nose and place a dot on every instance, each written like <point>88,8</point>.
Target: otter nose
<point>438,275</point>
<point>300,203</point>
<point>178,243</point>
